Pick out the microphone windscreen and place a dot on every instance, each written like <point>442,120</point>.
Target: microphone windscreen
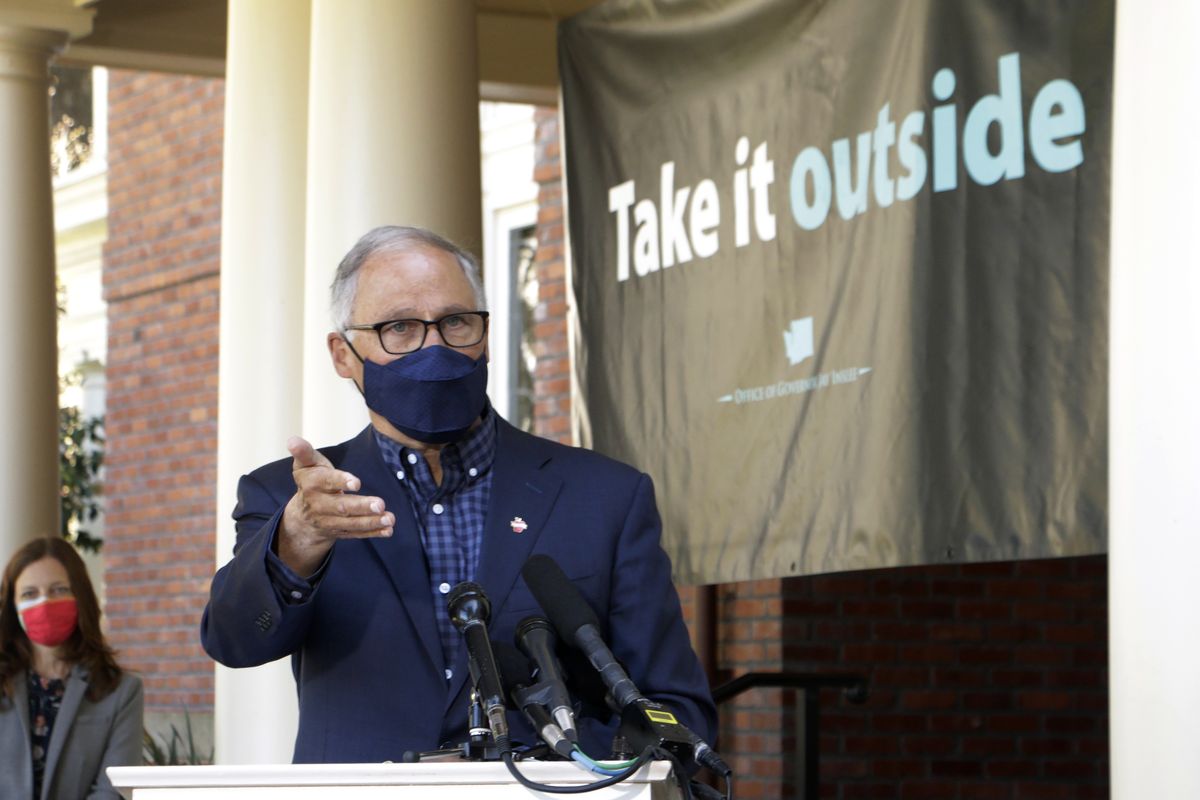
<point>558,597</point>
<point>468,605</point>
<point>532,625</point>
<point>514,667</point>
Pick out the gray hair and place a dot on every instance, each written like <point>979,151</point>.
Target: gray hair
<point>390,239</point>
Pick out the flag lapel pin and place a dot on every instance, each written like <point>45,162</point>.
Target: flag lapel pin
<point>518,525</point>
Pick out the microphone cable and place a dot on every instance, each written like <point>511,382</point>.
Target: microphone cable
<point>600,766</point>
<point>638,763</point>
<point>687,787</point>
<point>677,769</point>
<point>595,766</point>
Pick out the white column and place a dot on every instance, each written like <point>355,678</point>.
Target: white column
<point>1154,425</point>
<point>393,139</point>
<point>29,357</point>
<point>262,310</point>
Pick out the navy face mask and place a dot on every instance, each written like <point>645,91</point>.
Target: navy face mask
<point>433,395</point>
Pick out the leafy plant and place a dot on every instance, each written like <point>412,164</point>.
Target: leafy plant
<point>176,750</point>
<point>80,457</point>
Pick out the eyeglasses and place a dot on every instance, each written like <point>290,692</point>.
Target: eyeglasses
<point>400,336</point>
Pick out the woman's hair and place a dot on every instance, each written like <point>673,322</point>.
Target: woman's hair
<point>85,647</point>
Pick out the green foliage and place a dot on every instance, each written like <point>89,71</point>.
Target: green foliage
<point>71,123</point>
<point>80,457</point>
<point>176,750</point>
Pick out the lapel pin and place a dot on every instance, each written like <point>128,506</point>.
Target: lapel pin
<point>518,525</point>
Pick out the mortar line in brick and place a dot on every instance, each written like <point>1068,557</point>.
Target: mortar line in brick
<point>113,298</point>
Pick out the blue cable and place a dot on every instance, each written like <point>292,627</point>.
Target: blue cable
<point>582,758</point>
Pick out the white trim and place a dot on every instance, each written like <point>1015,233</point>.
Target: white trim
<point>1154,431</point>
<point>507,147</point>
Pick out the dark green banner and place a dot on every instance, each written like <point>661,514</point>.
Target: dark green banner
<point>841,272</point>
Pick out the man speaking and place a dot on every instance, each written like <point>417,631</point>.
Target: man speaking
<point>344,555</point>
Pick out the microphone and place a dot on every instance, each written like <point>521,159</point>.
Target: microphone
<point>643,721</point>
<point>575,622</point>
<point>514,675</point>
<point>536,639</point>
<point>469,611</point>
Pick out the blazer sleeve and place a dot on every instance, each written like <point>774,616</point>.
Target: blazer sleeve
<point>246,623</point>
<point>124,745</point>
<point>645,621</point>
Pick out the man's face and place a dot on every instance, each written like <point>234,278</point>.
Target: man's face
<point>419,284</point>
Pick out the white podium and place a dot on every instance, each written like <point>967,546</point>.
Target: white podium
<point>427,781</point>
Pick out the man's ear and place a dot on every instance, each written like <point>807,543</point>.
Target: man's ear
<point>340,354</point>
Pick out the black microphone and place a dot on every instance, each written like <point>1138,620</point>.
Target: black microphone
<point>643,721</point>
<point>536,639</point>
<point>469,611</point>
<point>515,676</point>
<point>575,622</point>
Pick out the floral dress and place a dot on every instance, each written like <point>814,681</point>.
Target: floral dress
<point>45,697</point>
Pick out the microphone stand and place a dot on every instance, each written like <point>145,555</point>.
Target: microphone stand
<point>479,746</point>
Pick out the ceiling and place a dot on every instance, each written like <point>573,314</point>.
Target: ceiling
<point>516,40</point>
<point>555,9</point>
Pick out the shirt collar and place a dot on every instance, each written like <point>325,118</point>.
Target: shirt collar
<point>471,456</point>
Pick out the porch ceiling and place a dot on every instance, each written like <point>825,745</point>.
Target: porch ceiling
<point>516,40</point>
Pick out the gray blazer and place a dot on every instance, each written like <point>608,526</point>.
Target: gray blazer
<point>86,739</point>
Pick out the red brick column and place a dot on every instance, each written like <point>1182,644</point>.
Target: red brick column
<point>552,376</point>
<point>757,727</point>
<point>161,284</point>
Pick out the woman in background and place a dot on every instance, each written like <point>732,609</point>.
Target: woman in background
<point>67,710</point>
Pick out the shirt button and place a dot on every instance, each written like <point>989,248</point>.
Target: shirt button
<point>443,587</point>
<point>296,594</point>
<point>449,674</point>
<point>438,508</point>
<point>400,474</point>
<point>472,472</point>
<point>412,458</point>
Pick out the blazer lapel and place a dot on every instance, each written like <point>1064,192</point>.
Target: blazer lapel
<point>76,685</point>
<point>401,554</point>
<point>20,701</point>
<point>522,495</point>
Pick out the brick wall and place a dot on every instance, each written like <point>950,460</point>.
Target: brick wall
<point>161,268</point>
<point>986,681</point>
<point>552,376</point>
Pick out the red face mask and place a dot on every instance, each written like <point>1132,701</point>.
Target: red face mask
<point>49,622</point>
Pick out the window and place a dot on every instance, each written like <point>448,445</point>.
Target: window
<point>523,301</point>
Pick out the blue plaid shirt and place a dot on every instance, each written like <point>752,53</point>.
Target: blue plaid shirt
<point>449,515</point>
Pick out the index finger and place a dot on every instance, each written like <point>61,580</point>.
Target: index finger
<point>305,456</point>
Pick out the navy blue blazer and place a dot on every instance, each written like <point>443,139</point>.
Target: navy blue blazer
<point>364,645</point>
